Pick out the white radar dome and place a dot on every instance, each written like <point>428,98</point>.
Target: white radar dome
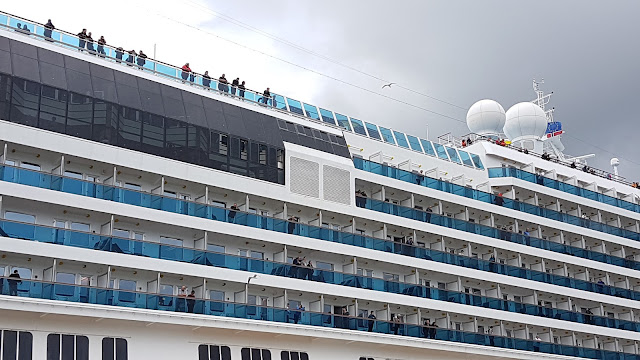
<point>486,117</point>
<point>525,120</point>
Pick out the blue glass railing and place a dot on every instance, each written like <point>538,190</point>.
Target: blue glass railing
<point>450,188</point>
<point>562,186</point>
<point>157,202</point>
<point>150,301</point>
<point>66,237</point>
<point>457,224</point>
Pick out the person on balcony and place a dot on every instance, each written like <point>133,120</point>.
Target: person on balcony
<point>81,36</point>
<point>241,89</point>
<point>234,85</point>
<point>89,41</point>
<point>206,79</point>
<point>13,283</point>
<point>141,59</point>
<point>101,43</point>
<point>48,28</point>
<point>223,84</point>
<point>186,71</point>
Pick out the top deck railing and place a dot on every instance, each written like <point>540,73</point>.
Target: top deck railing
<point>275,101</point>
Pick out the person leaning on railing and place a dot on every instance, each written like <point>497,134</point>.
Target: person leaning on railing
<point>81,36</point>
<point>101,43</point>
<point>48,28</point>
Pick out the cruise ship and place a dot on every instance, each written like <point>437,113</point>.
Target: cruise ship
<point>148,212</point>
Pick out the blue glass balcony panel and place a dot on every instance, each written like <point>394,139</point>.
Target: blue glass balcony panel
<point>466,159</point>
<point>401,140</point>
<point>343,122</point>
<point>327,116</point>
<point>440,151</point>
<point>387,136</point>
<point>428,148</point>
<point>453,155</point>
<point>372,129</point>
<point>358,127</point>
<point>477,162</point>
<point>295,106</point>
<point>311,111</point>
<point>414,143</point>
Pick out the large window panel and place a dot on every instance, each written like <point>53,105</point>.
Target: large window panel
<point>129,128</point>
<point>175,138</point>
<point>105,122</point>
<point>79,116</point>
<point>5,96</point>
<point>152,134</point>
<point>238,155</point>
<point>218,151</point>
<point>25,96</point>
<point>53,109</point>
<point>198,144</point>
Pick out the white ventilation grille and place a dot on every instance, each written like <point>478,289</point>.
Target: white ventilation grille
<point>304,177</point>
<point>336,185</point>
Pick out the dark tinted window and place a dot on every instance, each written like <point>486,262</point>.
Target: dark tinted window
<point>255,354</point>
<point>214,352</point>
<point>24,102</point>
<point>114,349</point>
<point>79,116</point>
<point>105,122</point>
<point>129,128</point>
<point>293,355</point>
<point>175,138</point>
<point>53,109</point>
<point>5,96</point>
<point>67,347</point>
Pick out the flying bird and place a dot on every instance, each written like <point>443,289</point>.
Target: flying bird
<point>387,85</point>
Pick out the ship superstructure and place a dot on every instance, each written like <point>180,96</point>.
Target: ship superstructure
<point>151,213</point>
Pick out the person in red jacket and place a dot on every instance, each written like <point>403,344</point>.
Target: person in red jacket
<point>186,72</point>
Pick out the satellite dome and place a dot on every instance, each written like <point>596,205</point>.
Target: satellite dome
<point>486,117</point>
<point>525,120</point>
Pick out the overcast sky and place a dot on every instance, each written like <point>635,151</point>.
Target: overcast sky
<point>458,51</point>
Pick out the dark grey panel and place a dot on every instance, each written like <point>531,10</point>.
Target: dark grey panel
<point>5,62</point>
<point>149,86</point>
<point>50,57</point>
<point>191,99</point>
<point>215,116</point>
<point>53,75</point>
<point>341,141</point>
<point>195,115</point>
<point>4,44</point>
<point>288,136</point>
<point>23,49</point>
<point>101,72</point>
<point>79,82</point>
<point>125,79</point>
<point>341,151</point>
<point>128,96</point>
<point>230,110</point>
<point>24,67</point>
<point>271,131</point>
<point>103,89</point>
<point>253,125</point>
<point>152,102</point>
<point>235,125</point>
<point>168,91</point>
<point>174,108</point>
<point>76,65</point>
